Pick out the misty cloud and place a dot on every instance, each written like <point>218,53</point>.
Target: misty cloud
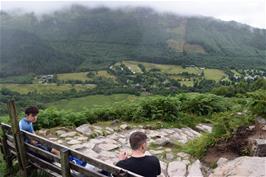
<point>244,11</point>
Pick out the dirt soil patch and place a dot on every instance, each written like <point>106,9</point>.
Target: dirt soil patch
<point>238,145</point>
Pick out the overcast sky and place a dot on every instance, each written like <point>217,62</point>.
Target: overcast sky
<point>251,12</point>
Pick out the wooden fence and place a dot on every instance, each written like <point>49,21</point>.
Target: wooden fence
<point>28,156</point>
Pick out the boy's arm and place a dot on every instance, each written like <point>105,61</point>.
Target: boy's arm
<point>31,130</point>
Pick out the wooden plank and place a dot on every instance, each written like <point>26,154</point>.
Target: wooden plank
<point>10,138</point>
<point>51,173</point>
<point>42,152</point>
<point>19,141</point>
<point>13,152</point>
<point>43,164</point>
<point>64,153</point>
<point>85,171</point>
<point>102,165</point>
<point>11,145</point>
<point>6,126</point>
<point>43,140</point>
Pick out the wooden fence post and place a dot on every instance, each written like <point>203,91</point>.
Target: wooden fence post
<point>18,139</point>
<point>6,152</point>
<point>64,154</point>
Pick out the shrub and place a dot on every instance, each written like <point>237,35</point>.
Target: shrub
<point>204,104</point>
<point>258,103</point>
<point>259,107</point>
<point>183,109</point>
<point>160,108</point>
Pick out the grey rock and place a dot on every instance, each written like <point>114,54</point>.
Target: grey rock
<point>68,134</point>
<point>73,142</point>
<point>242,166</point>
<point>156,152</point>
<point>60,132</point>
<point>169,156</point>
<point>84,129</point>
<point>78,146</point>
<point>82,138</point>
<point>177,168</point>
<point>221,161</point>
<point>195,169</point>
<point>162,141</point>
<point>53,139</point>
<point>204,128</point>
<point>107,146</point>
<point>109,129</point>
<point>163,169</point>
<point>183,155</point>
<point>124,127</point>
<point>91,153</point>
<point>251,127</point>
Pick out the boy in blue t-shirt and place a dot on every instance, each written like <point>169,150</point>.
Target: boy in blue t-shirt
<point>26,124</point>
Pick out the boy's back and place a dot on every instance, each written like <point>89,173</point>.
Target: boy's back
<point>148,166</point>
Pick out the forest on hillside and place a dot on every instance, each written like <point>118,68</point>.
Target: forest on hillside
<point>84,39</point>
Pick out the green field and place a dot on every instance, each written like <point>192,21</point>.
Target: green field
<point>45,88</point>
<point>105,74</point>
<point>210,74</point>
<point>132,66</point>
<point>82,76</point>
<point>93,101</point>
<point>214,74</point>
<point>168,69</point>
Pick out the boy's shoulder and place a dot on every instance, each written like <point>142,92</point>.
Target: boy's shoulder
<point>146,158</point>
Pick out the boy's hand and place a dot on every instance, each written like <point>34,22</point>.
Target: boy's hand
<point>33,142</point>
<point>123,155</point>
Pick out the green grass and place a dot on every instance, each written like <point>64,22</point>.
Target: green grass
<point>132,66</point>
<point>105,74</point>
<point>210,74</point>
<point>89,102</point>
<point>45,88</point>
<point>168,69</point>
<point>82,76</point>
<point>214,74</point>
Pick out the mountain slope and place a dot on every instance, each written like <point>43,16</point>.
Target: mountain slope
<point>23,52</point>
<point>80,38</point>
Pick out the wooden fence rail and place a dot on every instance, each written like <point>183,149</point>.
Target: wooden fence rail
<point>29,156</point>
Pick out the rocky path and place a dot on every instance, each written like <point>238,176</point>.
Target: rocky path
<point>105,143</point>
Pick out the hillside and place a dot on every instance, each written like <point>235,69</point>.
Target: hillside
<point>82,39</point>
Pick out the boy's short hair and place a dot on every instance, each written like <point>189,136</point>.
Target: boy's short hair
<point>32,110</point>
<point>136,139</point>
